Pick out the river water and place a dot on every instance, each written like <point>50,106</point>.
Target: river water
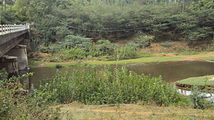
<point>170,71</point>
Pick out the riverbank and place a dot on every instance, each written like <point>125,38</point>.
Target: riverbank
<point>156,57</point>
<point>205,82</point>
<point>79,111</point>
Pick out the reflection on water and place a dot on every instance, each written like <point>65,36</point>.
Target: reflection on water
<point>173,71</point>
<point>170,71</point>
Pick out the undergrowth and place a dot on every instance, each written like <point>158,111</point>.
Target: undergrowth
<point>109,86</point>
<point>18,104</point>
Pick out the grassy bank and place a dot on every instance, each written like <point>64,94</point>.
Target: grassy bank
<point>160,57</point>
<point>198,81</point>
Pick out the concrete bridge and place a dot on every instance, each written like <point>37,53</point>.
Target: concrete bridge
<point>13,48</point>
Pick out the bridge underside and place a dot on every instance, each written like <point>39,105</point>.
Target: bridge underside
<point>9,41</point>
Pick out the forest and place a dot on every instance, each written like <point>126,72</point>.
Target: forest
<point>95,24</point>
<point>54,20</point>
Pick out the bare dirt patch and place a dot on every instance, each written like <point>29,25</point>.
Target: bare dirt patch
<point>166,54</point>
<point>167,47</point>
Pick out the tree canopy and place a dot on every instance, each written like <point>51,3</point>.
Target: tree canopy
<point>115,19</point>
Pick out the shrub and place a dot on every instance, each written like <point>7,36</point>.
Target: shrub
<point>108,86</point>
<point>18,104</point>
<point>105,47</point>
<point>72,54</point>
<point>72,41</point>
<point>199,99</point>
<point>58,66</point>
<point>94,51</point>
<point>144,41</point>
<point>127,51</point>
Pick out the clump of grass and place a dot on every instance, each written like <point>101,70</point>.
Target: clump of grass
<point>109,86</point>
<point>128,51</point>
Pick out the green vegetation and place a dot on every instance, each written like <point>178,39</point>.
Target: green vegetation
<point>54,19</point>
<point>198,81</point>
<point>72,29</point>
<point>199,86</point>
<point>117,62</point>
<point>185,55</point>
<point>199,100</point>
<point>18,104</point>
<point>88,32</point>
<point>91,87</point>
<point>77,48</point>
<point>109,86</point>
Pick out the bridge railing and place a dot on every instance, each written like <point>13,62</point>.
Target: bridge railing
<point>5,29</point>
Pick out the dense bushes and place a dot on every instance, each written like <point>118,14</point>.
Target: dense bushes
<point>109,86</point>
<point>77,47</point>
<point>17,104</point>
<point>72,41</point>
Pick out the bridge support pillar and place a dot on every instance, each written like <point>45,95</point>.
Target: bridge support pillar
<point>10,64</point>
<point>20,51</point>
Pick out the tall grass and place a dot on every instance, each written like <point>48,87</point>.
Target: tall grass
<point>124,52</point>
<point>109,86</point>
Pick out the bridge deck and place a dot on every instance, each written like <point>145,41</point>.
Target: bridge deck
<point>10,36</point>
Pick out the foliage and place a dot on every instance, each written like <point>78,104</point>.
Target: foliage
<point>108,86</point>
<point>8,17</point>
<point>200,100</point>
<point>72,54</point>
<point>127,51</point>
<point>72,41</point>
<point>77,47</point>
<point>54,20</point>
<point>202,4</point>
<point>144,41</point>
<point>105,47</point>
<point>17,104</point>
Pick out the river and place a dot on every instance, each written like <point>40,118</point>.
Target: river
<point>169,71</point>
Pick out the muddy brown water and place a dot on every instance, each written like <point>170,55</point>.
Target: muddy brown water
<point>170,71</point>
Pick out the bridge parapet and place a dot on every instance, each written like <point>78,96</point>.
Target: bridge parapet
<point>6,29</point>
